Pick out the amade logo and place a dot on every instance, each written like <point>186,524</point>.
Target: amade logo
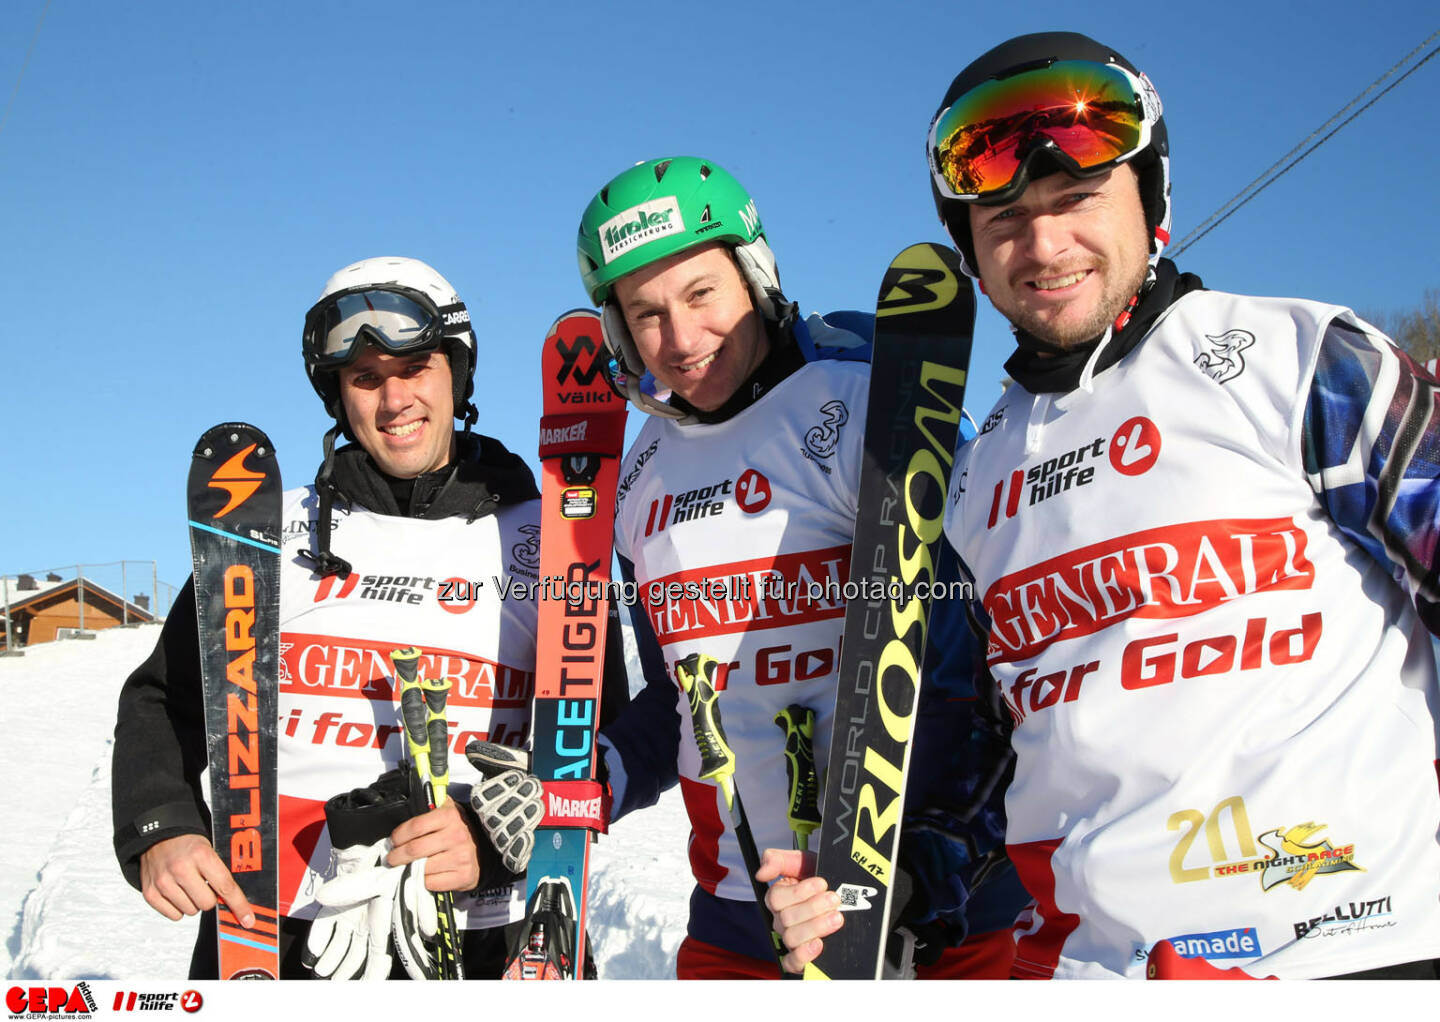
<point>1218,944</point>
<point>236,480</point>
<point>639,224</point>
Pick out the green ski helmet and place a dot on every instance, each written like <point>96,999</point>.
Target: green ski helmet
<point>650,212</point>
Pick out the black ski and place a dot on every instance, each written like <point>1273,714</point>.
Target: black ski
<point>925,317</point>
<point>234,504</point>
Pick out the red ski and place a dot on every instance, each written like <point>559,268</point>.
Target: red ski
<point>582,434</point>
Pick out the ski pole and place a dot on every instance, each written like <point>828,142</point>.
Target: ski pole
<point>696,674</point>
<point>798,724</point>
<point>422,707</point>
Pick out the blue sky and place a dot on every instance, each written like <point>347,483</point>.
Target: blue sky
<point>177,180</point>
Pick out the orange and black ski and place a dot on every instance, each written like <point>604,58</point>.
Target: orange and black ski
<point>234,502</point>
<point>582,435</point>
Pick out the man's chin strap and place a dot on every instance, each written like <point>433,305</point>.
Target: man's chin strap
<point>326,563</point>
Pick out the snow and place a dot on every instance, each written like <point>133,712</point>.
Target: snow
<point>68,913</point>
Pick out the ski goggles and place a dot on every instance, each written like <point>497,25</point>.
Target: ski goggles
<point>1087,115</point>
<point>398,320</point>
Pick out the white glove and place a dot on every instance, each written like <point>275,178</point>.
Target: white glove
<point>508,802</point>
<point>349,937</point>
<point>414,922</point>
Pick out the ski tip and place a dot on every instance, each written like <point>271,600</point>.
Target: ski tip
<point>923,277</point>
<point>228,435</point>
<point>580,313</point>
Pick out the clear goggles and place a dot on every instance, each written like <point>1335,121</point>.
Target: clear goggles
<point>397,320</point>
<point>1087,115</point>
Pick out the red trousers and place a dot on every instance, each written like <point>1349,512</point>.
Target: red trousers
<point>982,956</point>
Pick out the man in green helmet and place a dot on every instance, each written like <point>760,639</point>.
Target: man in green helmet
<point>736,511</point>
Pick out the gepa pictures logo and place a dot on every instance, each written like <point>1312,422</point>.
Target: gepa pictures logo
<point>50,1001</point>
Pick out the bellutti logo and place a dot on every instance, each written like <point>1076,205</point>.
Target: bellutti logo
<point>639,224</point>
<point>50,1002</point>
<point>1348,918</point>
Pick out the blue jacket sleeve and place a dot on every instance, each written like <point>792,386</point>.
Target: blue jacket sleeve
<point>1371,407</point>
<point>953,838</point>
<point>646,734</point>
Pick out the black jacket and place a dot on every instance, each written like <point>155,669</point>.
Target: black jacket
<point>160,747</point>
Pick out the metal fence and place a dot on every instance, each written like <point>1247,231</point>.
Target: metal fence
<point>76,600</point>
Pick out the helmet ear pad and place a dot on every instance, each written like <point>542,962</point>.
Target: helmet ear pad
<point>620,344</point>
<point>756,263</point>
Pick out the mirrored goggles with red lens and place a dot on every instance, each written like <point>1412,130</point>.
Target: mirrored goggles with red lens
<point>397,320</point>
<point>1086,115</point>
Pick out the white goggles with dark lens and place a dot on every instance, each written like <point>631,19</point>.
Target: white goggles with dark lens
<point>396,320</point>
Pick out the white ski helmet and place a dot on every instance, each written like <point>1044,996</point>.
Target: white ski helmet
<point>427,314</point>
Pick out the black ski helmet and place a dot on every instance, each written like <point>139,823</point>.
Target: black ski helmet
<point>1039,49</point>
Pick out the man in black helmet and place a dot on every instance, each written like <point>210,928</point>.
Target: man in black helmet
<point>1201,530</point>
<point>390,350</point>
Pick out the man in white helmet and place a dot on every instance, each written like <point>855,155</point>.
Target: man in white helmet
<point>412,503</point>
<point>1202,531</point>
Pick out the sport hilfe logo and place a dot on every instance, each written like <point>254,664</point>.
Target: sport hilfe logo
<point>752,491</point>
<point>1132,450</point>
<point>236,480</point>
